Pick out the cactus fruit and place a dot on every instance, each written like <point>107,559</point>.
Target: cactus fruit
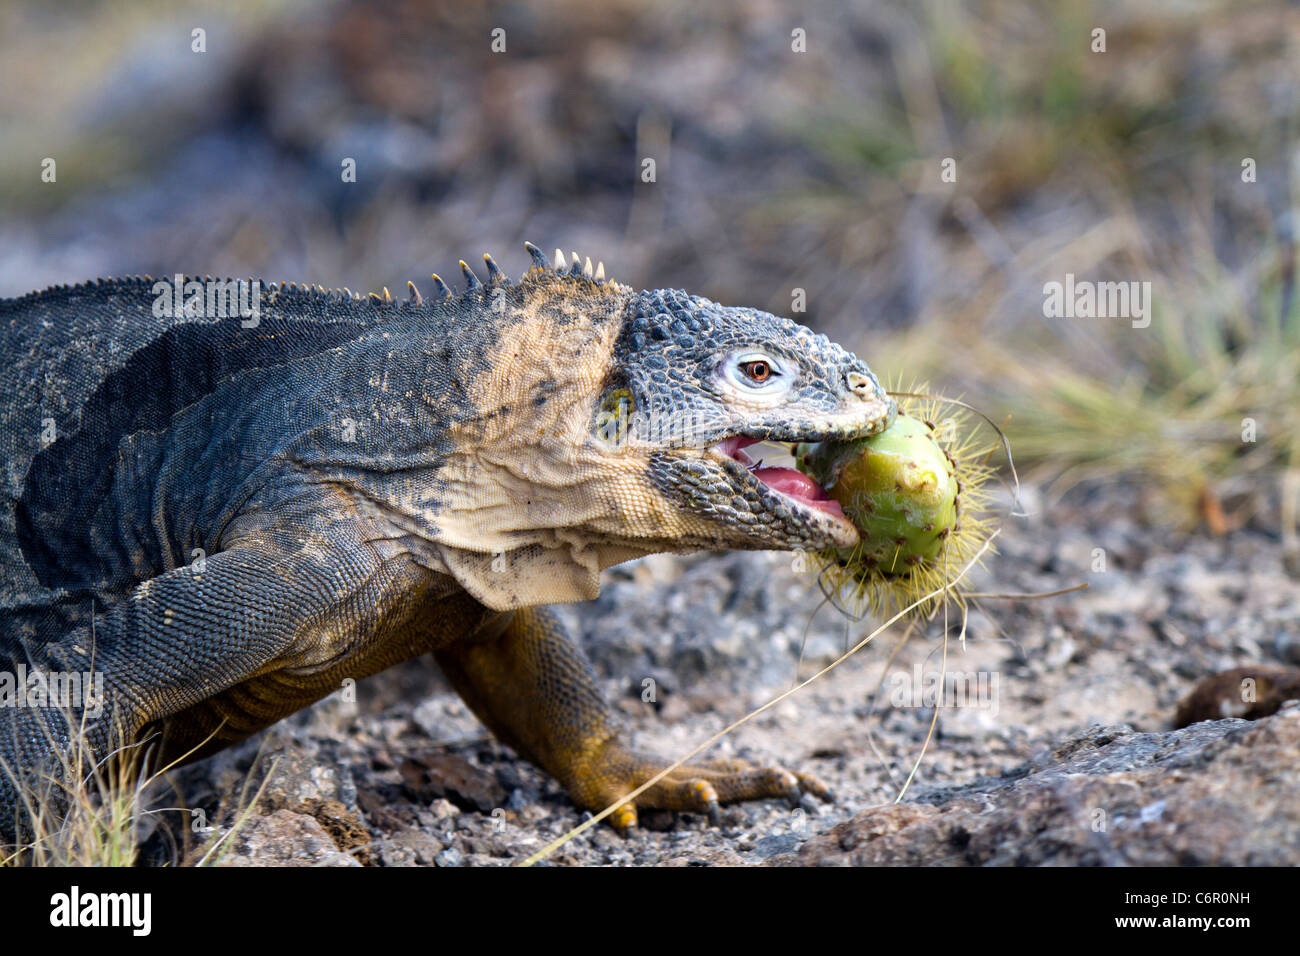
<point>898,487</point>
<point>916,493</point>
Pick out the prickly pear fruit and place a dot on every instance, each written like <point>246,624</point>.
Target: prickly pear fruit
<point>898,487</point>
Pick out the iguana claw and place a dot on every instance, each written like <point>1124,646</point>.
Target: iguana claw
<point>691,788</point>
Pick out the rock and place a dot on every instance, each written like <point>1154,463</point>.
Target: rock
<point>386,808</point>
<point>430,776</point>
<point>726,620</point>
<point>1110,796</point>
<point>296,780</point>
<point>410,847</point>
<point>1060,649</point>
<point>443,810</point>
<point>1113,655</point>
<point>770,846</point>
<point>1287,646</point>
<point>345,828</point>
<point>485,846</point>
<point>1248,692</point>
<point>449,857</point>
<point>706,856</point>
<point>319,790</point>
<point>876,824</point>
<point>392,853</point>
<point>284,838</point>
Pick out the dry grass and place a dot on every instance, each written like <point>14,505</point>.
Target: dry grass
<point>95,811</point>
<point>1115,166</point>
<point>1204,405</point>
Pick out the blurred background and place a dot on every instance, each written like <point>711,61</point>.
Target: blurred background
<point>775,170</point>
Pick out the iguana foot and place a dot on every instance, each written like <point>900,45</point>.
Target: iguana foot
<point>697,787</point>
<point>533,688</point>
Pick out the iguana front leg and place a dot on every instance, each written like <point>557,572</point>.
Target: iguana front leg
<point>533,688</point>
<point>274,600</point>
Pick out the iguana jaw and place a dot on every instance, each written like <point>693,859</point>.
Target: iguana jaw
<point>747,506</point>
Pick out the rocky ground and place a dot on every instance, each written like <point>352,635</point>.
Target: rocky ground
<point>1063,751</point>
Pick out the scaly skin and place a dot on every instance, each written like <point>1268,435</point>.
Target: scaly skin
<point>230,521</point>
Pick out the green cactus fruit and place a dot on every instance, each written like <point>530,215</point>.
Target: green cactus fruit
<point>898,487</point>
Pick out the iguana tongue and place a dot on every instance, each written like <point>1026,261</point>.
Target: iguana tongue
<point>798,486</point>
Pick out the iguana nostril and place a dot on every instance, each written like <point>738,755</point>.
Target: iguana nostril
<point>861,385</point>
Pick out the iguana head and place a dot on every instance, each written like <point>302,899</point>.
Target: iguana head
<point>695,383</point>
<point>628,418</point>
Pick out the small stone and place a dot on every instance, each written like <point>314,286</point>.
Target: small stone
<point>770,846</point>
<point>449,857</point>
<point>443,809</point>
<point>429,776</point>
<point>1287,646</point>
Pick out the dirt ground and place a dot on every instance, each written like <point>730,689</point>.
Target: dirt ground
<point>405,775</point>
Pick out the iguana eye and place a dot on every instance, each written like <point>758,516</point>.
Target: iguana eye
<point>754,375</point>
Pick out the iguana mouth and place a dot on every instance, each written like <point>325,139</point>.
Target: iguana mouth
<point>775,504</point>
<point>779,506</point>
<point>788,482</point>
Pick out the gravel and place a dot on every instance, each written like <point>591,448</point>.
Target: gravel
<point>1053,682</point>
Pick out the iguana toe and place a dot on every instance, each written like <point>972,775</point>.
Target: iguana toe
<point>700,787</point>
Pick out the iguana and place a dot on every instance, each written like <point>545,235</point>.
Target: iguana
<point>228,517</point>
